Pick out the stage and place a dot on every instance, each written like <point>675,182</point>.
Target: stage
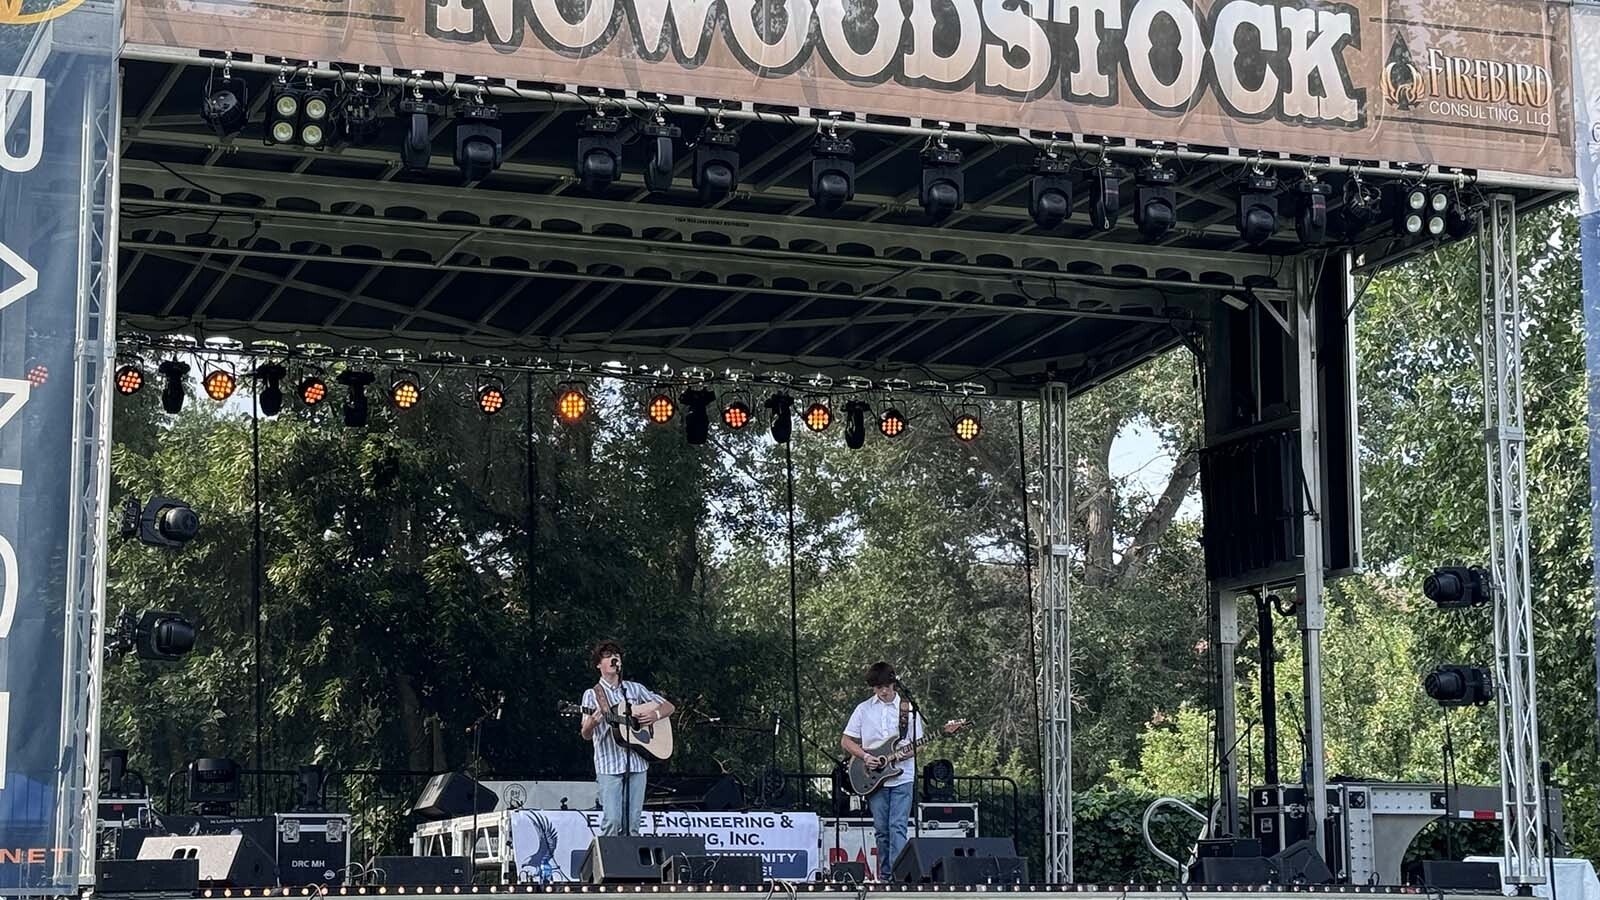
<point>779,888</point>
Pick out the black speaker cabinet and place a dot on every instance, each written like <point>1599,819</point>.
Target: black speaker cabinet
<point>848,872</point>
<point>1448,874</point>
<point>453,794</point>
<point>621,859</point>
<point>1231,870</point>
<point>127,876</point>
<point>916,861</point>
<point>726,869</point>
<point>225,860</point>
<point>980,870</point>
<point>433,871</point>
<point>1300,863</point>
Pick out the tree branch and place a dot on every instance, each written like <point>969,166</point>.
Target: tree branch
<point>1158,518</point>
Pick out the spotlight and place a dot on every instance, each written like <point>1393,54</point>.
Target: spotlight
<point>283,111</point>
<point>491,395</point>
<point>818,416</point>
<point>478,146</point>
<point>1459,222</point>
<point>1457,587</point>
<point>658,169</point>
<point>1459,686</point>
<point>1311,210</point>
<point>270,397</point>
<point>416,149</point>
<point>360,116</point>
<point>716,162</point>
<point>1438,210</point>
<point>312,390</point>
<point>696,422</point>
<point>661,409</point>
<point>736,414</point>
<point>226,107</point>
<point>163,522</point>
<point>1105,197</point>
<point>154,634</point>
<point>1363,205</point>
<point>939,781</point>
<point>405,390</point>
<point>38,374</point>
<point>892,423</point>
<point>1050,191</point>
<point>315,118</point>
<point>1258,208</point>
<point>599,152</point>
<point>1409,203</point>
<point>967,426</point>
<point>172,393</point>
<point>855,424</point>
<point>1157,201</point>
<point>942,181</point>
<point>130,379</point>
<point>833,170</point>
<point>220,383</point>
<point>355,406</point>
<point>782,407</point>
<point>571,403</point>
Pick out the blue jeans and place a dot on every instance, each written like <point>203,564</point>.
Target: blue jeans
<point>613,820</point>
<point>891,810</point>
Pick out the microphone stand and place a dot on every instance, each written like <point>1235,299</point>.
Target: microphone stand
<point>913,732</point>
<point>627,761</point>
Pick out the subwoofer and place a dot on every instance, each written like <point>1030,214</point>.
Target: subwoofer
<point>915,865</point>
<point>638,859</point>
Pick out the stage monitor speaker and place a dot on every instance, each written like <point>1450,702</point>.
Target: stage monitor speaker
<point>915,863</point>
<point>1300,863</point>
<point>706,793</point>
<point>1231,870</point>
<point>725,870</point>
<point>848,872</point>
<point>623,859</point>
<point>454,794</point>
<point>129,876</point>
<point>226,860</point>
<point>1227,847</point>
<point>980,870</point>
<point>1449,874</point>
<point>433,871</point>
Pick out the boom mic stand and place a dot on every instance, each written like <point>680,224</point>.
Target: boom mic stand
<point>913,733</point>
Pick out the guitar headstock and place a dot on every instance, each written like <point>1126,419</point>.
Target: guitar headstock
<point>955,725</point>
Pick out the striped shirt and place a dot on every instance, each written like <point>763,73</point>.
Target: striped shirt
<point>611,758</point>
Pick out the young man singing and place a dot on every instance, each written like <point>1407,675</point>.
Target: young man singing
<point>882,717</point>
<point>619,771</point>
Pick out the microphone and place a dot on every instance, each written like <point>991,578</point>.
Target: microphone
<point>500,706</point>
<point>777,722</point>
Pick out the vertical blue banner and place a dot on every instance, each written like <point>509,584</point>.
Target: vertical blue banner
<point>1586,102</point>
<point>58,97</point>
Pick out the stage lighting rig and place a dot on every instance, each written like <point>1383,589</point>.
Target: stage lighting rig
<point>359,113</point>
<point>833,169</point>
<point>405,389</point>
<point>313,389</point>
<point>572,403</point>
<point>356,406</point>
<point>662,408</point>
<point>696,419</point>
<point>599,152</point>
<point>220,383</point>
<point>1156,199</point>
<point>967,425</point>
<point>892,422</point>
<point>416,148</point>
<point>782,408</point>
<point>172,393</point>
<point>491,394</point>
<point>818,416</point>
<point>1458,587</point>
<point>855,424</point>
<point>269,391</point>
<point>226,106</point>
<point>1438,211</point>
<point>163,522</point>
<point>283,111</point>
<point>1459,686</point>
<point>1258,208</point>
<point>315,119</point>
<point>658,169</point>
<point>1409,204</point>
<point>1050,190</point>
<point>1311,210</point>
<point>478,145</point>
<point>129,379</point>
<point>1363,205</point>
<point>716,162</point>
<point>736,413</point>
<point>1105,196</point>
<point>943,182</point>
<point>1460,222</point>
<point>153,634</point>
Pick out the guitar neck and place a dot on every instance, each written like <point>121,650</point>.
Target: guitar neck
<point>917,744</point>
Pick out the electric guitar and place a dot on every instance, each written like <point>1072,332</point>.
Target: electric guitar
<point>652,741</point>
<point>864,781</point>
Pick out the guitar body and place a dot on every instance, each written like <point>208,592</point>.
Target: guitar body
<point>863,780</point>
<point>653,741</point>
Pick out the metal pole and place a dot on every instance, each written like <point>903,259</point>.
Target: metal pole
<point>1055,598</point>
<point>1504,441</point>
<point>1224,608</point>
<point>794,614</point>
<point>1311,578</point>
<point>255,583</point>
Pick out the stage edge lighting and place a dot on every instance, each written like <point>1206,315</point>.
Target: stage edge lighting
<point>1258,208</point>
<point>943,182</point>
<point>716,162</point>
<point>833,169</point>
<point>1156,201</point>
<point>1050,190</point>
<point>599,152</point>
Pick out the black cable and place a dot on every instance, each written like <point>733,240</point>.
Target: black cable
<point>255,578</point>
<point>794,611</point>
<point>1027,569</point>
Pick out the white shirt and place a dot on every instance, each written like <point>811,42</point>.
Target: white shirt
<point>874,722</point>
<point>610,757</point>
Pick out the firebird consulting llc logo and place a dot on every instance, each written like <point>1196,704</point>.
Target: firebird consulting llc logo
<point>33,12</point>
<point>1402,80</point>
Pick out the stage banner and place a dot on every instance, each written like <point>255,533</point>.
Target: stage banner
<point>1586,96</point>
<point>550,845</point>
<point>58,76</point>
<point>1475,83</point>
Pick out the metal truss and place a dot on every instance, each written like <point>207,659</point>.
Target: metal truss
<point>1055,604</point>
<point>1505,446</point>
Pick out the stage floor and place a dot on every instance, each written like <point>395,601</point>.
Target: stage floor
<point>770,890</point>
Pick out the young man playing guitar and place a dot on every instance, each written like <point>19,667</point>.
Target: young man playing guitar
<point>619,771</point>
<point>886,718</point>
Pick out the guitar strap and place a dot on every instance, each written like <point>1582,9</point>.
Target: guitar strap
<point>905,718</point>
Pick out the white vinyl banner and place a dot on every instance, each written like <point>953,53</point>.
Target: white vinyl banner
<point>1586,101</point>
<point>549,845</point>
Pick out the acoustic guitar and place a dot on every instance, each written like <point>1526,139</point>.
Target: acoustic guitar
<point>864,781</point>
<point>652,741</point>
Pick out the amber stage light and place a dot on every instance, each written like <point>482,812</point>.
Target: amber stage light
<point>406,391</point>
<point>661,409</point>
<point>736,414</point>
<point>491,396</point>
<point>967,427</point>
<point>818,416</point>
<point>129,380</point>
<point>220,384</point>
<point>312,390</point>
<point>892,423</point>
<point>572,404</point>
